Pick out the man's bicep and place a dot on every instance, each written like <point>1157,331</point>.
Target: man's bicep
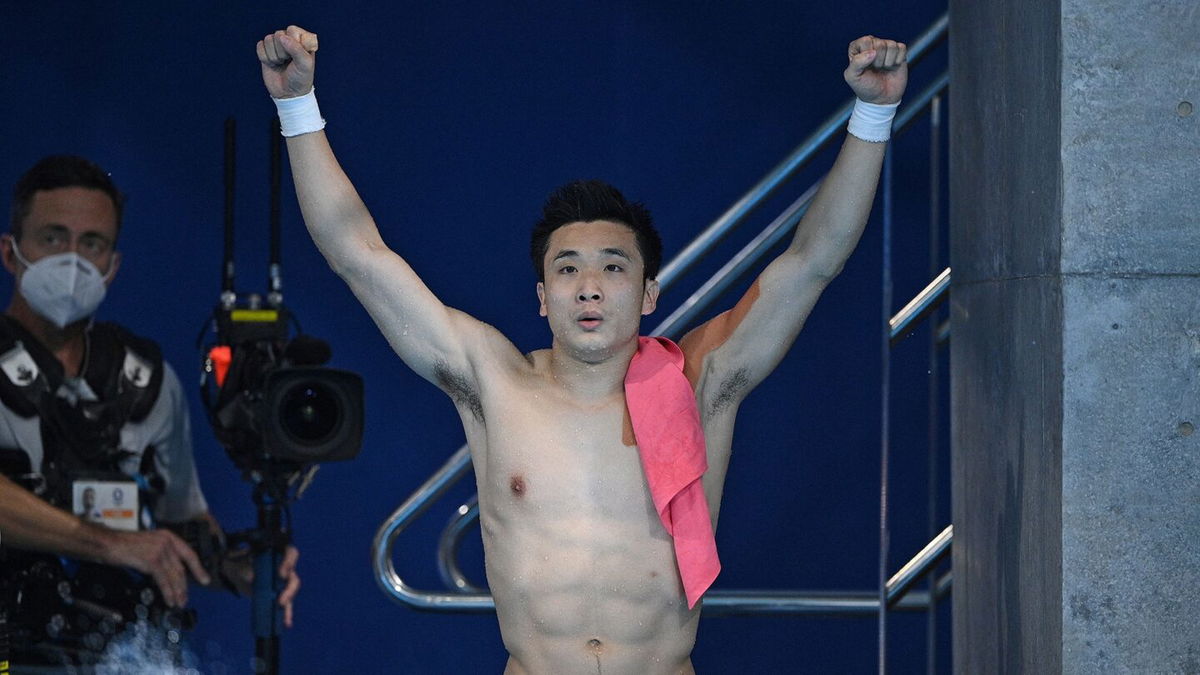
<point>743,345</point>
<point>438,342</point>
<point>422,331</point>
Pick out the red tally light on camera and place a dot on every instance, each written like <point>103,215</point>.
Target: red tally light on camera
<point>220,356</point>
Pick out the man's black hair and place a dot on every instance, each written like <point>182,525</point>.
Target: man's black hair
<point>584,201</point>
<point>60,171</point>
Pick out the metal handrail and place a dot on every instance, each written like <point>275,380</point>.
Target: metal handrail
<point>716,601</point>
<point>470,597</point>
<point>744,259</point>
<point>448,545</point>
<point>903,322</point>
<point>919,566</point>
<point>916,310</point>
<point>797,160</point>
<point>919,307</point>
<point>412,508</point>
<point>899,593</point>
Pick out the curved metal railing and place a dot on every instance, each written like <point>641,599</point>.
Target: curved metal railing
<point>830,129</point>
<point>467,597</point>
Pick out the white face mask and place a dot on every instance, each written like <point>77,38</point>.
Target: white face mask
<point>63,288</point>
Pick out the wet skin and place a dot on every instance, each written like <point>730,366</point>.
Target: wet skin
<point>583,573</point>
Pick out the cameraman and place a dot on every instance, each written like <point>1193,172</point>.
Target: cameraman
<point>88,408</point>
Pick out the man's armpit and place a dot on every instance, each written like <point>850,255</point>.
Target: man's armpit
<point>459,388</point>
<point>730,391</point>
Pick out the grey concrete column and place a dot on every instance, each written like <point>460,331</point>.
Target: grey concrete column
<point>1075,358</point>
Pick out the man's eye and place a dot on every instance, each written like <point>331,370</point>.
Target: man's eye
<point>566,269</point>
<point>613,267</point>
<point>94,245</point>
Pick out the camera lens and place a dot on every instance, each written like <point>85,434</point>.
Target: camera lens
<point>310,412</point>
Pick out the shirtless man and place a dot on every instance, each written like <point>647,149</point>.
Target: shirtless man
<point>583,573</point>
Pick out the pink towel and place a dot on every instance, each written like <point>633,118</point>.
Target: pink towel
<point>666,424</point>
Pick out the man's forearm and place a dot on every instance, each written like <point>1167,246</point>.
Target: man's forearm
<point>877,73</point>
<point>333,212</point>
<point>27,522</point>
<point>834,223</point>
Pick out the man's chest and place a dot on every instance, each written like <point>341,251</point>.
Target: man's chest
<point>542,453</point>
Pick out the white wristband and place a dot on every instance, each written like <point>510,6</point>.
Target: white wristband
<point>872,122</point>
<point>299,115</point>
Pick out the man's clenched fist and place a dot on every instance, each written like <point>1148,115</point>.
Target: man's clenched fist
<point>878,70</point>
<point>288,61</point>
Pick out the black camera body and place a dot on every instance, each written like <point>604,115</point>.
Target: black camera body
<point>276,401</point>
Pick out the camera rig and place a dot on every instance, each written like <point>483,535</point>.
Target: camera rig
<point>272,403</point>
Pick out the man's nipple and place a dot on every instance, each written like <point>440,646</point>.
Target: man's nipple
<point>517,485</point>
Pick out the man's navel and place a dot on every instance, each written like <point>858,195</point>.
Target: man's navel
<point>596,648</point>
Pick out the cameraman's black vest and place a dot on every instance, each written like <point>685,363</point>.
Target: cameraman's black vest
<point>45,600</point>
<point>80,437</point>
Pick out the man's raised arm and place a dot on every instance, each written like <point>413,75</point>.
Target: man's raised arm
<point>427,335</point>
<point>745,344</point>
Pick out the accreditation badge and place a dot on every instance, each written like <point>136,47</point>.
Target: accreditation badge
<point>113,503</point>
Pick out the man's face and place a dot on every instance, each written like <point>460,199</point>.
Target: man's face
<point>62,220</point>
<point>594,295</point>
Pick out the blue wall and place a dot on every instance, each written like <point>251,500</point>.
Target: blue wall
<point>455,120</point>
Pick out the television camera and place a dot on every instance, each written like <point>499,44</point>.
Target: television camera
<point>273,404</point>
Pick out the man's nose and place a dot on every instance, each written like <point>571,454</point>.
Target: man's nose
<point>589,290</point>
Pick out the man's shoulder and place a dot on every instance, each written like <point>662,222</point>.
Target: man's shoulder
<point>520,377</point>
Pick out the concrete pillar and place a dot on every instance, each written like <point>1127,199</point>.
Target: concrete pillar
<point>1075,357</point>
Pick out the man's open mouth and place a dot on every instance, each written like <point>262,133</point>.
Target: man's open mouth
<point>589,320</point>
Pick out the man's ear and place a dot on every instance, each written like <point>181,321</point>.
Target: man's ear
<point>541,291</point>
<point>6,254</point>
<point>650,297</point>
<point>113,266</point>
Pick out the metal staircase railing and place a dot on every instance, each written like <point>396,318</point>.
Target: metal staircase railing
<point>463,596</point>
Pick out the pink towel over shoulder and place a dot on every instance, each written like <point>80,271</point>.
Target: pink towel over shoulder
<point>666,424</point>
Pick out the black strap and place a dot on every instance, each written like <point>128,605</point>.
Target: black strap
<point>124,371</point>
<point>123,366</point>
<point>23,390</point>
